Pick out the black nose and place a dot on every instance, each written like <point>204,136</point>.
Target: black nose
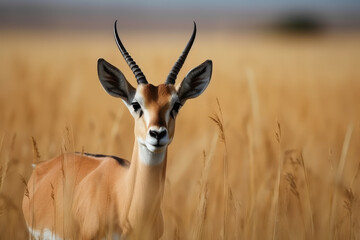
<point>157,134</point>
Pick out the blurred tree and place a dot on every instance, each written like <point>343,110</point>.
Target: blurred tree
<point>299,24</point>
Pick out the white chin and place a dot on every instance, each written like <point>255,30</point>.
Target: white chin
<point>155,149</point>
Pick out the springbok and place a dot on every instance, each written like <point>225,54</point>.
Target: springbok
<point>91,196</point>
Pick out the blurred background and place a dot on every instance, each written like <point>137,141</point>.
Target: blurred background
<point>159,14</point>
<point>281,160</point>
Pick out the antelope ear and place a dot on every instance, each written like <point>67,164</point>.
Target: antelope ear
<point>114,81</point>
<point>195,81</point>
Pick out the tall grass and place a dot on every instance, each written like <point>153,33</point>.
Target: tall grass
<point>277,159</point>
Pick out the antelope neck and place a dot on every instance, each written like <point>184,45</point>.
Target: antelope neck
<point>147,165</point>
<point>148,183</point>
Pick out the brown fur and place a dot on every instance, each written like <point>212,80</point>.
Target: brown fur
<point>97,196</point>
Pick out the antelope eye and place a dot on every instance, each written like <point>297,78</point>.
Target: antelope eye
<point>175,109</point>
<point>137,108</point>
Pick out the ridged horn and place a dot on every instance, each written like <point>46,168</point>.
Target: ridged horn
<point>179,63</point>
<point>140,78</point>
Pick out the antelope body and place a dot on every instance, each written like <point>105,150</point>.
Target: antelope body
<point>91,196</point>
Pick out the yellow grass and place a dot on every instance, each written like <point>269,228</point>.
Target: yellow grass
<point>285,164</point>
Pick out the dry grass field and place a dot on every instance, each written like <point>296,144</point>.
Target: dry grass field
<point>271,150</point>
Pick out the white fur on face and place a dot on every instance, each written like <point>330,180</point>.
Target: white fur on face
<point>150,155</point>
<point>174,98</point>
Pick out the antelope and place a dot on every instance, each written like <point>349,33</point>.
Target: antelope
<point>92,196</point>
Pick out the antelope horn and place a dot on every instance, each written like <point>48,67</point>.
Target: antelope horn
<point>140,78</point>
<point>179,63</point>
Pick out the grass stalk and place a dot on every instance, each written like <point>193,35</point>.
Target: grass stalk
<point>302,164</point>
<point>203,196</point>
<point>338,177</point>
<point>35,161</point>
<point>275,199</point>
<point>218,119</point>
<point>52,195</point>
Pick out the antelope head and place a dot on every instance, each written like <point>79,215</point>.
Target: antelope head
<point>154,108</point>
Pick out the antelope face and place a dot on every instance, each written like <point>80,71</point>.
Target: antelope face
<point>154,108</point>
